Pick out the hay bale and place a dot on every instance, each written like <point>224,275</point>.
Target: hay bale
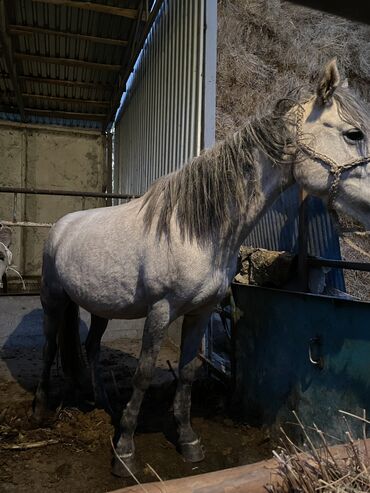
<point>261,267</point>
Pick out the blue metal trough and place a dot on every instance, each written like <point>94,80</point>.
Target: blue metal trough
<point>301,352</point>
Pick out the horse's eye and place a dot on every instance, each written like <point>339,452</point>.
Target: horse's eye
<point>354,135</point>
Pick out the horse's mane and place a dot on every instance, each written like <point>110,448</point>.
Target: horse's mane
<point>351,110</point>
<point>215,187</point>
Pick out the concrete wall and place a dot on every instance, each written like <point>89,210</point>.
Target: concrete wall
<point>53,158</point>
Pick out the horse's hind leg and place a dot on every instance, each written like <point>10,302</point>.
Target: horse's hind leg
<point>92,344</point>
<point>193,329</point>
<point>51,326</point>
<point>156,324</point>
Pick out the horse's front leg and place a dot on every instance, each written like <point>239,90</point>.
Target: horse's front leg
<point>155,327</point>
<point>92,345</point>
<point>193,329</point>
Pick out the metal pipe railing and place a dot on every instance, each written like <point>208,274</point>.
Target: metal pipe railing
<point>68,193</point>
<point>338,264</point>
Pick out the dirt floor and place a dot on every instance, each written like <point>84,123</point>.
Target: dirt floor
<point>73,451</point>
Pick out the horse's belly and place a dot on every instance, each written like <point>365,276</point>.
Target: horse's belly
<point>109,305</point>
<point>106,294</point>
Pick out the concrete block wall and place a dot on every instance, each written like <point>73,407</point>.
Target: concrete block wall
<point>52,158</point>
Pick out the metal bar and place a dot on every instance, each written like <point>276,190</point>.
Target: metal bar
<point>73,62</point>
<point>68,193</point>
<point>29,30</point>
<point>28,224</point>
<point>303,241</point>
<point>209,81</point>
<point>28,293</point>
<point>15,208</point>
<point>93,7</point>
<point>338,264</point>
<point>68,83</point>
<point>66,114</point>
<point>108,156</point>
<point>220,374</point>
<point>66,100</point>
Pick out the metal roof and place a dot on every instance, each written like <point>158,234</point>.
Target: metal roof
<point>67,61</point>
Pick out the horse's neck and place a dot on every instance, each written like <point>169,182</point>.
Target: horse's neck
<point>270,181</point>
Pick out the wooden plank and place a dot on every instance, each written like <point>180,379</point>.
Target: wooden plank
<point>250,478</point>
<point>67,83</point>
<point>8,53</point>
<point>93,7</point>
<point>70,115</point>
<point>30,30</point>
<point>66,100</point>
<point>72,62</point>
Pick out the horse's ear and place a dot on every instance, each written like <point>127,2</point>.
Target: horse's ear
<point>328,82</point>
<point>5,235</point>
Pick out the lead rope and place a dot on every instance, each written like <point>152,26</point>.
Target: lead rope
<point>8,267</point>
<point>335,169</point>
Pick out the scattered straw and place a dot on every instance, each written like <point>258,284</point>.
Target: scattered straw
<point>320,470</point>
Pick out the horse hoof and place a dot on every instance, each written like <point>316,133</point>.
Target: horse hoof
<point>192,452</point>
<point>125,466</point>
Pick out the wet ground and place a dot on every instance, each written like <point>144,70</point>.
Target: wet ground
<point>72,452</point>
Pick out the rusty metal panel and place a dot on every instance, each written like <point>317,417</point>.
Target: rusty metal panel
<point>161,122</point>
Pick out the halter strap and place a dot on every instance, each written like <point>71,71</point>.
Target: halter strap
<point>335,169</point>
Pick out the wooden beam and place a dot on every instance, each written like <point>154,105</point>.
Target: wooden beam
<point>67,61</point>
<point>67,83</point>
<point>8,54</point>
<point>69,115</point>
<point>66,100</point>
<point>30,30</point>
<point>94,7</point>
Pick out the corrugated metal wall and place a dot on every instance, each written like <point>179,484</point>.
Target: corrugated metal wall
<point>278,230</point>
<point>161,123</point>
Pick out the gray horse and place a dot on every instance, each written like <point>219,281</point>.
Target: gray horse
<point>173,252</point>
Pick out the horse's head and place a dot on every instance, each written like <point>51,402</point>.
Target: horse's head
<point>333,134</point>
<point>5,253</point>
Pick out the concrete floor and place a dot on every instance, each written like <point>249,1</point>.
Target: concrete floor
<point>21,341</point>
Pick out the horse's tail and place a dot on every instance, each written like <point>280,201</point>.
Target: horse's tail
<point>70,345</point>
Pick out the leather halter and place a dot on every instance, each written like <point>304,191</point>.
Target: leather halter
<point>334,168</point>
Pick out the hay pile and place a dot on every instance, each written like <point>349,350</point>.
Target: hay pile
<point>265,48</point>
